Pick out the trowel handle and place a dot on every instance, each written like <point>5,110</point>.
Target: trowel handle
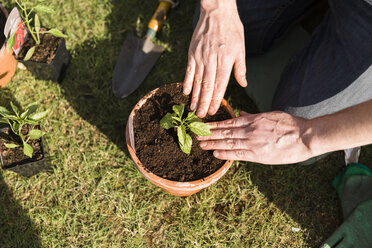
<point>158,18</point>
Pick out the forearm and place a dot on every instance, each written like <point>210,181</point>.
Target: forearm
<point>345,129</point>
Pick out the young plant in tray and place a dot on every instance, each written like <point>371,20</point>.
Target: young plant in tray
<point>191,122</point>
<point>18,120</point>
<point>34,30</point>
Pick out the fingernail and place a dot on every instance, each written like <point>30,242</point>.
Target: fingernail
<point>193,106</point>
<point>203,144</point>
<point>211,110</point>
<point>186,91</point>
<point>201,113</point>
<point>216,153</point>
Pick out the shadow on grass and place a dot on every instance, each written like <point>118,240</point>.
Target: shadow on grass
<point>16,227</point>
<point>87,85</point>
<point>304,193</point>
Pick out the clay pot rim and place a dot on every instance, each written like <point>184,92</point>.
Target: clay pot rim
<point>176,185</point>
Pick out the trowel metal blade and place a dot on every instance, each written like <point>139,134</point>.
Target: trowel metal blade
<point>135,61</point>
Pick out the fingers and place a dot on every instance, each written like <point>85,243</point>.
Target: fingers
<point>229,144</point>
<point>197,86</point>
<point>207,87</point>
<point>242,121</point>
<point>240,69</point>
<point>245,155</point>
<point>222,78</point>
<point>227,133</point>
<point>189,77</point>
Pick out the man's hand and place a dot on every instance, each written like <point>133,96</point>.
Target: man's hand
<point>267,138</point>
<point>216,46</point>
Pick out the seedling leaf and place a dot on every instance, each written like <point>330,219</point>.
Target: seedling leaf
<point>32,108</point>
<point>184,139</point>
<point>11,146</point>
<point>38,116</point>
<point>24,114</point>
<point>3,120</point>
<point>35,134</point>
<point>56,33</point>
<point>178,109</point>
<point>43,9</point>
<point>37,26</point>
<point>4,111</point>
<point>27,149</point>
<point>11,41</point>
<point>200,128</point>
<point>15,108</point>
<point>191,117</point>
<point>167,121</point>
<point>29,53</point>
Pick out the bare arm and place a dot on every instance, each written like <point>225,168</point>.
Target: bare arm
<point>279,138</point>
<point>216,46</point>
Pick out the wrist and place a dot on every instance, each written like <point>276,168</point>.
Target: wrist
<point>210,5</point>
<point>318,137</point>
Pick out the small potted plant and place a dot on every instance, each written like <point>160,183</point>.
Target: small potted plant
<point>160,136</point>
<point>21,146</point>
<point>7,61</point>
<point>44,50</point>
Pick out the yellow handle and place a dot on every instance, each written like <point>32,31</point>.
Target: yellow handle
<point>159,16</point>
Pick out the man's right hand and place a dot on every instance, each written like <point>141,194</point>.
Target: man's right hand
<point>216,46</point>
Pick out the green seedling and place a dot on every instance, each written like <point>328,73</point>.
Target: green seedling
<point>35,29</point>
<point>17,120</point>
<point>191,122</point>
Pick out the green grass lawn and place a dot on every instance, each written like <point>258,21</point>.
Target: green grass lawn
<point>95,197</point>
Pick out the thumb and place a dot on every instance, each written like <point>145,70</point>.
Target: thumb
<point>243,113</point>
<point>240,70</point>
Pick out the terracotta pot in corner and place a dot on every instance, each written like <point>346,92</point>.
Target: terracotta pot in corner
<point>173,187</point>
<point>7,61</point>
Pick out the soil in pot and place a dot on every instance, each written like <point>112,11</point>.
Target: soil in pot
<point>158,149</point>
<point>45,52</point>
<point>14,156</point>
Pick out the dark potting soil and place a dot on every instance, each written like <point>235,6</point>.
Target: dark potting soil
<point>158,148</point>
<point>45,52</point>
<point>13,156</point>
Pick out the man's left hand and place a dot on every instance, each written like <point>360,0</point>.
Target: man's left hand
<point>267,138</point>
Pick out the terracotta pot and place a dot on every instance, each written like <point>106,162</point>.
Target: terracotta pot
<point>7,60</point>
<point>172,187</point>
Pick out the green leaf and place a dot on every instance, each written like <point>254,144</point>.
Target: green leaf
<point>200,128</point>
<point>184,139</point>
<point>24,114</point>
<point>166,122</point>
<point>37,26</point>
<point>4,120</point>
<point>176,118</point>
<point>35,134</point>
<point>4,111</point>
<point>191,117</point>
<point>16,127</point>
<point>43,9</point>
<point>11,41</point>
<point>11,146</point>
<point>15,108</point>
<point>178,109</point>
<point>29,53</point>
<point>32,107</point>
<point>39,116</point>
<point>56,33</point>
<point>27,149</point>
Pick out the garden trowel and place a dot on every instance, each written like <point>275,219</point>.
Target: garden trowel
<point>138,56</point>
